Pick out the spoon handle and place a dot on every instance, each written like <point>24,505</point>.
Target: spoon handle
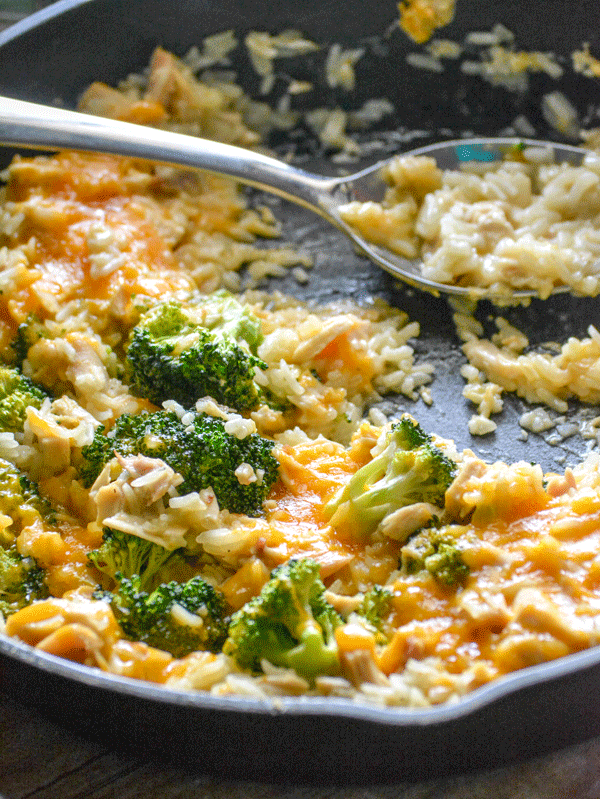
<point>41,127</point>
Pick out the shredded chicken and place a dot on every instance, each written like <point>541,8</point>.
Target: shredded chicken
<point>343,604</point>
<point>405,521</point>
<point>333,328</point>
<point>173,86</point>
<point>359,667</point>
<point>102,100</point>
<point>480,491</point>
<point>561,484</point>
<point>75,360</point>
<point>471,467</point>
<point>137,495</point>
<point>150,479</point>
<point>60,428</point>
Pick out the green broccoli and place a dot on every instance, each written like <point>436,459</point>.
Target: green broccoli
<point>289,624</point>
<point>122,555</point>
<point>17,393</point>
<point>409,469</point>
<point>438,551</point>
<point>21,581</point>
<point>372,612</point>
<point>21,501</point>
<point>201,451</point>
<point>26,336</point>
<point>187,352</point>
<point>177,617</point>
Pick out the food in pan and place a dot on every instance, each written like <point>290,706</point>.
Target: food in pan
<point>197,488</point>
<point>420,18</point>
<point>522,223</point>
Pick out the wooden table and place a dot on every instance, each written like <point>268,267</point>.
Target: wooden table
<point>40,760</point>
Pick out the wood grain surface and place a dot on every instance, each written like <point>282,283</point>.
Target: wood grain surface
<point>40,760</point>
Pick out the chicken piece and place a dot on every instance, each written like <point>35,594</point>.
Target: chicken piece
<point>173,85</point>
<point>338,326</point>
<point>141,482</point>
<point>76,642</point>
<point>497,491</point>
<point>284,681</point>
<point>345,605</point>
<point>520,648</point>
<point>101,100</point>
<point>54,443</point>
<point>400,524</point>
<point>60,427</point>
<point>202,110</point>
<point>486,609</point>
<point>137,495</point>
<point>558,485</point>
<point>534,611</point>
<point>166,79</point>
<point>75,360</point>
<point>472,467</point>
<point>359,667</point>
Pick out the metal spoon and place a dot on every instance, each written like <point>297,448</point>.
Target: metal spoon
<point>35,126</point>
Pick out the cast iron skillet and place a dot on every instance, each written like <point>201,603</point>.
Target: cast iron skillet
<point>51,57</point>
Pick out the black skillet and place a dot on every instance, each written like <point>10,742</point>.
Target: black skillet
<point>50,58</point>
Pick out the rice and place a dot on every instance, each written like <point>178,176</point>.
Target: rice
<point>423,61</point>
<point>537,420</point>
<point>215,50</point>
<point>585,63</point>
<point>177,236</point>
<point>498,62</point>
<point>537,376</point>
<point>339,66</point>
<point>561,114</point>
<point>541,377</point>
<point>522,224</point>
<point>263,49</point>
<point>487,397</point>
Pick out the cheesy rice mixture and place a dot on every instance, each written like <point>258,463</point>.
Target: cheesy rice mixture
<point>418,604</point>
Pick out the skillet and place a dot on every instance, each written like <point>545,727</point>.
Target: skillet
<point>51,57</point>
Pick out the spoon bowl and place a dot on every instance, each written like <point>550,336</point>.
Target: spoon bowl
<point>40,127</point>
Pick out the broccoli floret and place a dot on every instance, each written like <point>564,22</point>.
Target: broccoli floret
<point>201,451</point>
<point>208,349</point>
<point>438,551</point>
<point>17,393</point>
<point>289,624</point>
<point>20,345</point>
<point>21,501</point>
<point>21,581</point>
<point>122,555</point>
<point>177,617</point>
<point>27,334</point>
<point>372,611</point>
<point>409,469</point>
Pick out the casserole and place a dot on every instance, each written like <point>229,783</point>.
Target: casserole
<point>492,725</point>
